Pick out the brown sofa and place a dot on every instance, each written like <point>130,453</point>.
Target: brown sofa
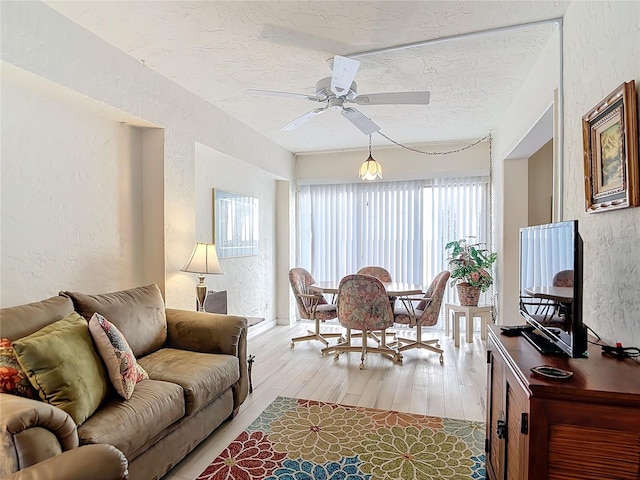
<point>197,366</point>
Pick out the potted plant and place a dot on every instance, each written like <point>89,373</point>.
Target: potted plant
<point>470,267</point>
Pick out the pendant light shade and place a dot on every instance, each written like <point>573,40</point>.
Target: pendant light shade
<point>370,169</point>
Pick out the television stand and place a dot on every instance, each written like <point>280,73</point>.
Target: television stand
<point>542,343</point>
<point>586,426</point>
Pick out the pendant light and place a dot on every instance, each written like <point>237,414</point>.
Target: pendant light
<point>370,169</point>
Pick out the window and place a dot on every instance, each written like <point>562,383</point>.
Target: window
<point>402,226</point>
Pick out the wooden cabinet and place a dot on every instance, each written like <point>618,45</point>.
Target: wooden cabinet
<point>584,428</point>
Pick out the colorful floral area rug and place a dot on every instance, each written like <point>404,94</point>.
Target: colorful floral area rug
<point>303,440</point>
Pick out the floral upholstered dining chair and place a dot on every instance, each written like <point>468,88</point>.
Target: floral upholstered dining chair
<point>363,305</point>
<point>380,273</point>
<point>311,306</point>
<point>425,314</point>
<point>383,275</point>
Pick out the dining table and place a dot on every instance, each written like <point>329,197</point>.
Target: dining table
<point>393,289</point>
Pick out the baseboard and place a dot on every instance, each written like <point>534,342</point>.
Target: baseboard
<point>260,328</point>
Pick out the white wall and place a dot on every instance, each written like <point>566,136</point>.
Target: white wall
<point>285,250</point>
<point>96,76</point>
<point>71,202</point>
<point>510,184</point>
<point>516,195</point>
<point>601,41</point>
<point>397,163</point>
<point>245,278</point>
<point>540,177</point>
<point>602,50</point>
<point>533,100</point>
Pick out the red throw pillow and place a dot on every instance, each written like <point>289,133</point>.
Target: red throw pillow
<point>13,379</point>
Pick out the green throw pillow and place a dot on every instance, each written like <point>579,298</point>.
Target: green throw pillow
<point>64,367</point>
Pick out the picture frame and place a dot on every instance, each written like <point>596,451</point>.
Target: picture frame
<point>235,224</point>
<point>610,137</point>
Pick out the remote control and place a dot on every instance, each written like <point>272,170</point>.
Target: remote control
<point>515,330</point>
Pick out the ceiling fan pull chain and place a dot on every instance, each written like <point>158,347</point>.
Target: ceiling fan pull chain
<point>449,152</point>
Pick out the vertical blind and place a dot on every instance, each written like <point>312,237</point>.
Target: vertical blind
<point>401,226</point>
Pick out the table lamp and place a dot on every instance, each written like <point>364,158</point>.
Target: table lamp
<point>203,261</point>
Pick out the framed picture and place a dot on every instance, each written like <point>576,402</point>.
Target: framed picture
<point>610,136</point>
<point>235,224</point>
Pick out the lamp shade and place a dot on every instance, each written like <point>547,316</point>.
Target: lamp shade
<point>370,169</point>
<point>203,259</point>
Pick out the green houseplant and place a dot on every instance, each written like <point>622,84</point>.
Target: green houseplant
<point>470,266</point>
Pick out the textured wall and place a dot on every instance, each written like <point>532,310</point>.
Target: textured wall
<point>95,74</point>
<point>397,163</point>
<point>244,278</point>
<point>510,185</point>
<point>71,197</point>
<point>602,50</point>
<point>534,98</point>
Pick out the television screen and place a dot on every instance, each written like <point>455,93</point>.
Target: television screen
<point>551,284</point>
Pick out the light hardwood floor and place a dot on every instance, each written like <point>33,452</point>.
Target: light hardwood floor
<point>456,389</point>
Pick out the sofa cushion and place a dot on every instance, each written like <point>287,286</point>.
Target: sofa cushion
<point>202,376</point>
<point>138,313</point>
<point>13,379</point>
<point>23,320</point>
<point>131,425</point>
<point>124,370</point>
<point>63,366</point>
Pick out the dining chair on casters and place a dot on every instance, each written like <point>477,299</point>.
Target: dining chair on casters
<point>311,306</point>
<point>383,275</point>
<point>425,314</point>
<point>363,304</point>
<point>380,273</point>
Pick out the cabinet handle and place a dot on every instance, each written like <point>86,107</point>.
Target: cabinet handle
<point>501,430</point>
<point>524,423</point>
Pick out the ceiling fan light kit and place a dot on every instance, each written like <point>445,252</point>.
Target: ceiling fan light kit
<point>370,168</point>
<point>339,89</point>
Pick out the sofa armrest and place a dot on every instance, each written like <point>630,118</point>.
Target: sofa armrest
<point>212,333</point>
<point>89,462</point>
<point>32,431</point>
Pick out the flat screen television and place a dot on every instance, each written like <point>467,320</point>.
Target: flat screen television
<point>551,286</point>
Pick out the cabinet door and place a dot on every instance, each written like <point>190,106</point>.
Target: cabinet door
<point>496,415</point>
<point>586,441</point>
<point>507,421</point>
<point>517,441</point>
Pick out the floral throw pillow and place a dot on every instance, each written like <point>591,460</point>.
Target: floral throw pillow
<point>124,370</point>
<point>13,379</point>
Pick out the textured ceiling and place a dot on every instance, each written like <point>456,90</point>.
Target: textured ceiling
<point>219,49</point>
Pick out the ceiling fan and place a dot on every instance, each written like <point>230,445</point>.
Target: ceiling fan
<point>340,89</point>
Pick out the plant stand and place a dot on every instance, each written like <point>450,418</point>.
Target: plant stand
<point>484,313</point>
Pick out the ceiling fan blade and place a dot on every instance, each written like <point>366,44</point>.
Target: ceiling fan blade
<point>270,93</point>
<point>292,125</point>
<point>364,123</point>
<point>344,71</point>
<point>394,98</point>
